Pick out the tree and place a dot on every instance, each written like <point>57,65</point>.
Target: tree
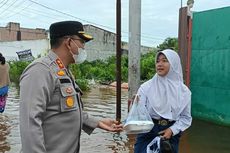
<point>169,43</point>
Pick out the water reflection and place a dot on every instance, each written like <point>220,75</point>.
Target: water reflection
<point>4,132</point>
<point>9,124</point>
<point>202,137</point>
<point>100,102</point>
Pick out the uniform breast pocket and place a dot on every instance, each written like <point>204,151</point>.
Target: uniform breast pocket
<point>69,99</point>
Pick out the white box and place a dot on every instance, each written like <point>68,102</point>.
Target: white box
<point>136,127</point>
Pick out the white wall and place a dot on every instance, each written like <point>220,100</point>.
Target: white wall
<point>9,49</point>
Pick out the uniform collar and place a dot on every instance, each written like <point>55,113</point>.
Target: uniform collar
<point>52,55</point>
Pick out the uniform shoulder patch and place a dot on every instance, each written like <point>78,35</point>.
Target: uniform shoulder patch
<point>59,63</point>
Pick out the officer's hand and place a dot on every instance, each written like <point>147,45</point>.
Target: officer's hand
<point>166,134</point>
<point>110,125</point>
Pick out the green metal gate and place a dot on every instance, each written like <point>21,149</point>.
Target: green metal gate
<point>210,65</point>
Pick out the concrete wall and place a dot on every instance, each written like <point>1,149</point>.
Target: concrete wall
<point>9,49</point>
<point>144,49</point>
<point>104,44</point>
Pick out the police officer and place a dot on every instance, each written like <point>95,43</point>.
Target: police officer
<point>51,115</point>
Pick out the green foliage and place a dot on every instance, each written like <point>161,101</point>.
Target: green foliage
<point>148,65</point>
<point>75,71</point>
<point>16,69</point>
<point>105,71</point>
<point>169,43</point>
<point>83,84</point>
<point>124,68</point>
<point>102,71</point>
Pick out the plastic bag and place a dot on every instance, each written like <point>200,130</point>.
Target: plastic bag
<point>159,145</point>
<point>138,119</point>
<point>154,145</point>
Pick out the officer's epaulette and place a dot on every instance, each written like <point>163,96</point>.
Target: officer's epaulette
<point>59,63</point>
<point>60,71</point>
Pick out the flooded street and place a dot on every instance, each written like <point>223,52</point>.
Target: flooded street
<point>202,137</point>
<point>9,124</point>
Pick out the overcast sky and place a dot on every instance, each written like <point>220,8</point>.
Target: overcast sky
<point>159,18</point>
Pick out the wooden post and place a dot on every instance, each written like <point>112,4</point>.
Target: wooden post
<point>183,38</point>
<point>118,61</point>
<point>184,43</point>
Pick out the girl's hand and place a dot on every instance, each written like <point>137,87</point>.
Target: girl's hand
<point>166,134</point>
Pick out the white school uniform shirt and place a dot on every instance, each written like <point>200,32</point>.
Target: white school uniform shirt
<point>167,96</point>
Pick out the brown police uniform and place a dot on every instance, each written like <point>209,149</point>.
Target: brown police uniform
<point>51,115</point>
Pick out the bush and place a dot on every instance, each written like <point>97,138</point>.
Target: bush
<point>148,66</point>
<point>102,71</point>
<point>16,69</point>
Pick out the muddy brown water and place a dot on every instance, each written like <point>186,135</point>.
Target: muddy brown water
<point>201,137</point>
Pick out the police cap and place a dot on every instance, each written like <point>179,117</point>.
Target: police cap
<point>68,28</point>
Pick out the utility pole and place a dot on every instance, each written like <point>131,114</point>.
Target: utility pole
<point>118,61</point>
<point>134,47</point>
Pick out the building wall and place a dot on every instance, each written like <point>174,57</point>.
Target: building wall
<point>101,47</point>
<point>13,32</point>
<point>104,44</point>
<point>144,49</point>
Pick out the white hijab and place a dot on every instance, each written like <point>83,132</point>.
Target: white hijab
<point>168,95</point>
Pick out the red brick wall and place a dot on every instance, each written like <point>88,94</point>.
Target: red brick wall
<point>13,32</point>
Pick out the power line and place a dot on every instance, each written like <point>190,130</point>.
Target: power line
<point>18,12</point>
<point>16,6</point>
<point>69,14</point>
<point>141,35</point>
<point>4,3</point>
<point>35,11</point>
<point>10,5</point>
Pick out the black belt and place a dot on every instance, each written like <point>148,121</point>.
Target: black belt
<point>162,121</point>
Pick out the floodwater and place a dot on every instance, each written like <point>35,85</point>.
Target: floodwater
<point>201,137</point>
